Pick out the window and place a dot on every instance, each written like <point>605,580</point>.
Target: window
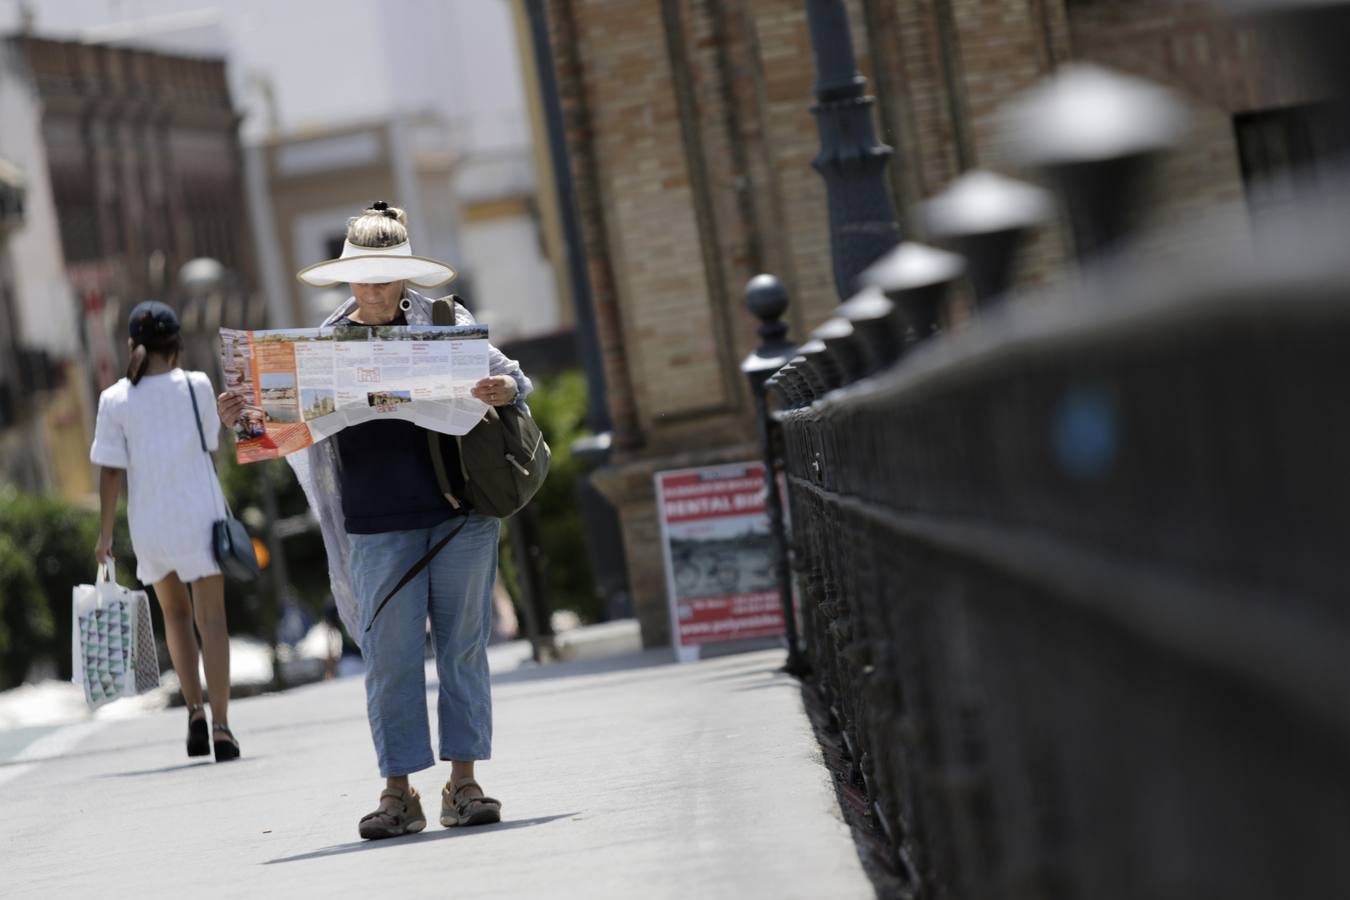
<point>1282,149</point>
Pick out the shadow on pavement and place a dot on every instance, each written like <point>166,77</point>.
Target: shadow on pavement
<point>758,672</point>
<point>145,745</point>
<point>645,660</point>
<point>200,764</point>
<point>420,838</point>
<point>786,681</point>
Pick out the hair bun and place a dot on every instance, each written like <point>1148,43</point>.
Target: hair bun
<point>380,205</point>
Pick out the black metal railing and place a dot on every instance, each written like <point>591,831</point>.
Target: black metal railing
<point>1073,574</point>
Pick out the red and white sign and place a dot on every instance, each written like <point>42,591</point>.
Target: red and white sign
<point>719,555</point>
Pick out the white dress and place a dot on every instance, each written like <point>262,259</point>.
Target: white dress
<point>174,496</point>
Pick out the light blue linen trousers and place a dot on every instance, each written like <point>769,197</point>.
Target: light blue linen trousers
<point>455,592</point>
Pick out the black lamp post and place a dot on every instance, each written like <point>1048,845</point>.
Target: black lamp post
<point>852,161</point>
<point>604,541</point>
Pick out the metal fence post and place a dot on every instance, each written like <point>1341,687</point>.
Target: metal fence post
<point>768,300</point>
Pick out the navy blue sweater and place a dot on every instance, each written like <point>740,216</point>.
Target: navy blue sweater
<point>388,483</point>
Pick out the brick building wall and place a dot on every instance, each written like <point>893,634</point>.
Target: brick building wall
<point>691,140</point>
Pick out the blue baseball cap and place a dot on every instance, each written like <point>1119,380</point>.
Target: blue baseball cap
<point>152,322</point>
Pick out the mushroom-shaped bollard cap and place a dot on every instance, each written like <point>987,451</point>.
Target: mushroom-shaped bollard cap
<point>821,364</point>
<point>985,217</point>
<point>796,384</point>
<point>1095,133</point>
<point>815,384</point>
<point>916,277</point>
<point>877,322</point>
<point>845,347</point>
<point>911,266</point>
<point>1087,113</point>
<point>982,202</point>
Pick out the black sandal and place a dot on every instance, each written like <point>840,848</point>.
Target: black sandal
<point>228,748</point>
<point>198,739</point>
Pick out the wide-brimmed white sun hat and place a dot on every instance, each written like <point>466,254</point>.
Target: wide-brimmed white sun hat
<point>377,265</point>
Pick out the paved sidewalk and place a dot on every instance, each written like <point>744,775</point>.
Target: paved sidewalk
<point>628,777</point>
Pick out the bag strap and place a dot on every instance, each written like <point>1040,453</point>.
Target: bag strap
<point>443,310</point>
<point>196,412</point>
<point>438,466</point>
<point>417,567</point>
<point>442,313</point>
<point>201,436</point>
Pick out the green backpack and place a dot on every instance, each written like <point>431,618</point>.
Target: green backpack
<point>504,459</point>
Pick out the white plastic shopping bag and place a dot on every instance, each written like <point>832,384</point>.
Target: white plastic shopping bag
<point>112,642</point>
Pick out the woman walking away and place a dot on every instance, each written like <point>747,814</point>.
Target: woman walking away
<point>374,489</point>
<point>151,430</point>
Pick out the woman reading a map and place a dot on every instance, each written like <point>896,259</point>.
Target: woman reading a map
<point>145,434</point>
<point>376,494</point>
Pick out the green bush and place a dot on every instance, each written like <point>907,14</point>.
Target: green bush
<point>25,617</point>
<point>559,406</point>
<point>54,541</point>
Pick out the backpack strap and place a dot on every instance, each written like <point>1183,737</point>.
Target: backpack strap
<point>443,310</point>
<point>418,567</point>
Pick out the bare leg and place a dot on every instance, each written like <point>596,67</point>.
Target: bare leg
<point>208,601</point>
<point>463,771</point>
<point>463,801</point>
<point>173,599</point>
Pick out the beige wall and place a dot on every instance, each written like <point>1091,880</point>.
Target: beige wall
<point>691,142</point>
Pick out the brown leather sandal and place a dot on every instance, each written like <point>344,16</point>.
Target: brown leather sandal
<point>456,809</point>
<point>402,816</point>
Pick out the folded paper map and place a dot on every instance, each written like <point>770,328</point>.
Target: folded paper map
<point>303,384</point>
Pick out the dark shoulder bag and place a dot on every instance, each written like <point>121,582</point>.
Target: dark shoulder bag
<point>229,541</point>
<point>504,458</point>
